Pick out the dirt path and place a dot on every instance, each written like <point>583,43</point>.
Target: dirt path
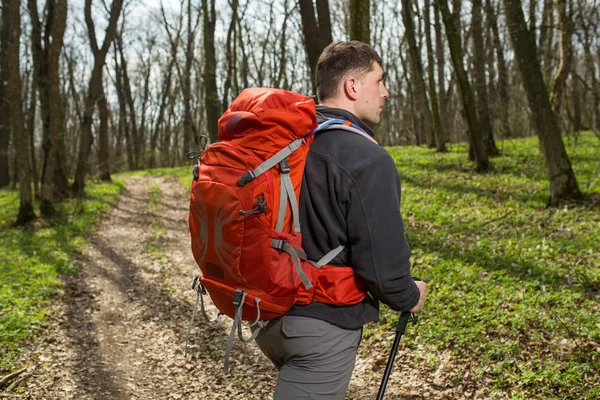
<point>119,329</point>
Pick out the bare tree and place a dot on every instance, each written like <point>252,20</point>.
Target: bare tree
<point>212,105</point>
<point>483,109</point>
<point>468,99</point>
<point>559,79</point>
<point>46,57</point>
<point>422,102</point>
<point>503,98</point>
<point>4,110</point>
<point>563,183</point>
<point>437,123</point>
<point>316,31</point>
<point>95,89</point>
<point>11,22</point>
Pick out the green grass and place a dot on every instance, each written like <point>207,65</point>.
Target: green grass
<point>32,258</point>
<point>513,285</point>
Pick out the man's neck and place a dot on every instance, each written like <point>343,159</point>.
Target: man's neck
<point>342,105</point>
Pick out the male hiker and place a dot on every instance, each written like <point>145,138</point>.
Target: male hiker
<point>350,197</point>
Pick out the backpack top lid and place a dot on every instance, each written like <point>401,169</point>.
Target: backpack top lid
<point>264,118</point>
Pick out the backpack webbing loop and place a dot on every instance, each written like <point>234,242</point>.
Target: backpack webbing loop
<point>293,252</point>
<point>271,162</point>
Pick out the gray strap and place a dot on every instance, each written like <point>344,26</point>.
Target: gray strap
<point>277,158</point>
<point>234,326</point>
<point>349,129</point>
<point>329,256</point>
<point>199,296</point>
<point>285,246</point>
<point>293,202</point>
<point>282,205</point>
<point>187,338</point>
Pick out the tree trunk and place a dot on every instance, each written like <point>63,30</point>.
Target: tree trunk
<point>103,143</point>
<point>563,183</point>
<point>595,87</point>
<point>547,38</point>
<point>559,81</point>
<point>128,97</point>
<point>416,69</point>
<point>95,89</point>
<point>317,35</point>
<point>441,63</point>
<point>166,93</point>
<point>11,21</point>
<point>4,111</point>
<point>123,122</point>
<point>47,70</point>
<point>483,108</point>
<point>468,99</point>
<point>360,15</point>
<point>503,97</point>
<point>437,123</point>
<point>211,94</point>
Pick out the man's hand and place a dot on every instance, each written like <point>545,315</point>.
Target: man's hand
<point>423,295</point>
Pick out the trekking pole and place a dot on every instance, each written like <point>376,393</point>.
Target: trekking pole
<point>405,318</point>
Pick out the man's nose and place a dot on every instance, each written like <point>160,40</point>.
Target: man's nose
<point>385,93</point>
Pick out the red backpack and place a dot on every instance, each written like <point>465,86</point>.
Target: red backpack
<point>244,221</point>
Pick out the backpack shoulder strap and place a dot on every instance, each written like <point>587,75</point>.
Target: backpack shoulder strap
<point>341,124</point>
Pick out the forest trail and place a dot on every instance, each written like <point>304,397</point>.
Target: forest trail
<point>118,330</point>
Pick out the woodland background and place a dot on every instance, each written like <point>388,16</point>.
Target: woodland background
<point>94,87</point>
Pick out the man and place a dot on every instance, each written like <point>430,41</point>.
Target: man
<point>350,197</point>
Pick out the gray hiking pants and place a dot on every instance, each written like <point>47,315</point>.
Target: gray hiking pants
<point>315,359</point>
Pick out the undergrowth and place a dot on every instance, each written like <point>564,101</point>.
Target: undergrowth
<point>514,286</point>
<point>33,257</point>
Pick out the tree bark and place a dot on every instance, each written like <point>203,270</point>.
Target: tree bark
<point>563,183</point>
<point>468,99</point>
<point>559,81</point>
<point>46,65</point>
<point>441,63</point>
<point>95,89</point>
<point>360,16</point>
<point>211,94</point>
<point>437,123</point>
<point>317,35</point>
<point>546,38</point>
<point>483,109</point>
<point>11,21</point>
<point>103,142</point>
<point>4,111</point>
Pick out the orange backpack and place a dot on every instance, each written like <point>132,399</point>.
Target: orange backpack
<point>244,220</point>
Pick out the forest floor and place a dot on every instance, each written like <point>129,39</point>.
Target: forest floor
<point>118,330</point>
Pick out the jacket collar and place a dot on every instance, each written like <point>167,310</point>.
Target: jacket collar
<point>324,113</point>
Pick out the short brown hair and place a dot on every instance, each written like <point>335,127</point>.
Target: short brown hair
<point>337,60</point>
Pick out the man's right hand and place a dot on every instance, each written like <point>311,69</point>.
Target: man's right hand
<point>423,295</point>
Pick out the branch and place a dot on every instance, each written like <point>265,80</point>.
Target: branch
<point>10,376</point>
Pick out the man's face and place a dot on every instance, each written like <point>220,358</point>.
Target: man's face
<point>371,95</point>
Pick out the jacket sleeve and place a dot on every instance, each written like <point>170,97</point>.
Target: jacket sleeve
<point>379,250</point>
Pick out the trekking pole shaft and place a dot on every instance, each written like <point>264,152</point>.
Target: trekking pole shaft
<point>400,329</point>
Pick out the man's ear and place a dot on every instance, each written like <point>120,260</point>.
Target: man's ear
<point>350,88</point>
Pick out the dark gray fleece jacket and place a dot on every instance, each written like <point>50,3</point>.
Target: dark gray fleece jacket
<point>351,197</point>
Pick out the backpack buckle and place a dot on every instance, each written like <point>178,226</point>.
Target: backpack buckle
<point>237,297</point>
<point>284,167</point>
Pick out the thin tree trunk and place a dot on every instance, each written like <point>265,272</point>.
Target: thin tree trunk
<point>483,109</point>
<point>31,135</point>
<point>437,123</point>
<point>103,142</point>
<point>547,39</point>
<point>503,97</point>
<point>166,93</point>
<point>95,89</point>
<point>441,63</point>
<point>11,21</point>
<point>559,81</point>
<point>416,69</point>
<point>360,15</point>
<point>468,99</point>
<point>210,71</point>
<point>563,183</point>
<point>123,123</point>
<point>4,111</point>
